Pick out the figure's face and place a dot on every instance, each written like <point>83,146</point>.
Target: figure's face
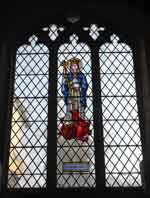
<point>74,68</point>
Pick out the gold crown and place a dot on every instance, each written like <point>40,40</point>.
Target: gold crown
<point>74,61</point>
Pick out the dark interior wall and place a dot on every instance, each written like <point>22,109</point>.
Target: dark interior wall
<point>22,16</point>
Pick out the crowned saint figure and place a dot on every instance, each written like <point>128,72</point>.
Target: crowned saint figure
<point>74,88</point>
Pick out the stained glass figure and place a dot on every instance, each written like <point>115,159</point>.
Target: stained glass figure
<point>74,88</point>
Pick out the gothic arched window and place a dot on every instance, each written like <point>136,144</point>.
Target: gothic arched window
<point>28,143</point>
<point>121,130</point>
<point>75,121</point>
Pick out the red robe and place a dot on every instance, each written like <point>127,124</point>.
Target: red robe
<point>78,129</point>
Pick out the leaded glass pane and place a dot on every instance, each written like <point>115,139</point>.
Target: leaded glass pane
<point>122,143</point>
<point>75,147</point>
<point>28,142</point>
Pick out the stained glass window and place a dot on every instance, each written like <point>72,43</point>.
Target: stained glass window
<point>122,143</point>
<point>75,143</point>
<point>28,143</point>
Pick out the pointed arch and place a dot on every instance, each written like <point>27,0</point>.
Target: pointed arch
<point>122,138</point>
